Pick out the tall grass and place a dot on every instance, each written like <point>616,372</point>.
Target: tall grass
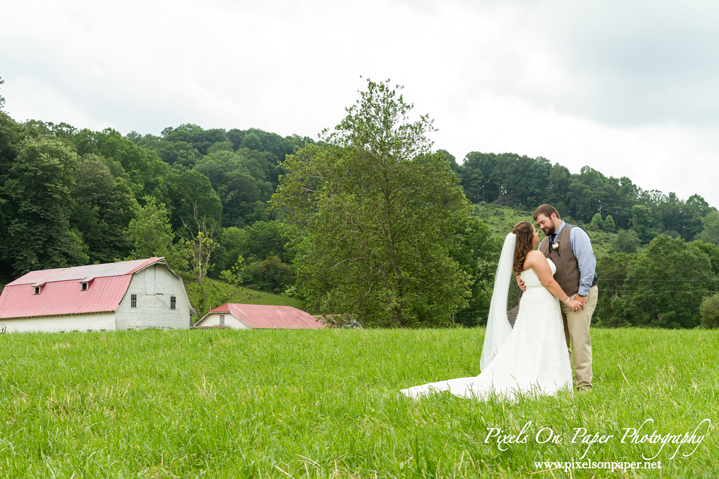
<point>224,403</point>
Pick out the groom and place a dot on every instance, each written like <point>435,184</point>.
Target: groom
<point>570,249</point>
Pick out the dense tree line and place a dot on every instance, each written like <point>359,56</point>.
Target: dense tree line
<point>663,285</point>
<point>70,197</point>
<point>589,197</point>
<point>665,259</point>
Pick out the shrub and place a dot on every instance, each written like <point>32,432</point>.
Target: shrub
<point>271,275</point>
<point>626,242</point>
<point>608,224</point>
<point>710,312</point>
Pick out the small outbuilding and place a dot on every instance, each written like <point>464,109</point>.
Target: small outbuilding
<point>136,294</point>
<point>256,316</point>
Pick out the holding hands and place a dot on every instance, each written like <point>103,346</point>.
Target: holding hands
<point>575,304</point>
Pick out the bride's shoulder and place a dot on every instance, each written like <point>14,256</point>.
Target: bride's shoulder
<point>532,258</point>
<point>535,254</point>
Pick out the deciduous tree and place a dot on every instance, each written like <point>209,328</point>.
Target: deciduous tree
<point>612,271</point>
<point>710,312</point>
<point>379,210</point>
<point>710,233</point>
<point>626,242</point>
<point>2,99</point>
<point>665,285</point>
<point>477,255</point>
<point>608,224</point>
<point>39,185</point>
<point>151,235</point>
<point>642,223</point>
<point>104,206</point>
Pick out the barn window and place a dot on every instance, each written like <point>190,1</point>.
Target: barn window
<point>37,289</point>
<point>133,301</point>
<point>173,302</point>
<point>83,286</point>
<point>222,320</point>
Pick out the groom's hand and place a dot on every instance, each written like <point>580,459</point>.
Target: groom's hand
<point>581,299</point>
<point>520,284</point>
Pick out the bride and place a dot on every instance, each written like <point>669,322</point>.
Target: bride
<point>531,358</point>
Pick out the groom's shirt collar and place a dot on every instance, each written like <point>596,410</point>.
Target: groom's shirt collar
<point>561,226</point>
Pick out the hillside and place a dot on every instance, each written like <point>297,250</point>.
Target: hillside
<point>241,296</point>
<point>251,296</point>
<point>501,220</point>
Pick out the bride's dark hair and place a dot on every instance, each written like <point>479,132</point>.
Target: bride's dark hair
<point>525,236</point>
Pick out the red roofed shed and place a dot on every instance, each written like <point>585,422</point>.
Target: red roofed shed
<point>256,316</point>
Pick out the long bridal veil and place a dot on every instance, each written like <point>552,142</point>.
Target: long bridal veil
<point>529,359</point>
<point>498,327</point>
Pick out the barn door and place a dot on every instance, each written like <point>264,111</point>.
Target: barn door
<point>150,280</point>
<point>159,280</point>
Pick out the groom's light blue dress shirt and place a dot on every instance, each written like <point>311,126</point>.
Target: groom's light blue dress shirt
<point>582,248</point>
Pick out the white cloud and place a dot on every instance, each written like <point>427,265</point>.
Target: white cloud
<point>625,89</point>
<point>654,157</point>
<point>640,62</point>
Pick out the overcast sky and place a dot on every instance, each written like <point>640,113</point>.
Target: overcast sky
<point>627,88</point>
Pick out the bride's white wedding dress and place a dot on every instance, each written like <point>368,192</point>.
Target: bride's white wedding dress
<point>532,360</point>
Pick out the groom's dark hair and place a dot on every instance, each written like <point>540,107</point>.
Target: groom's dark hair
<point>545,210</point>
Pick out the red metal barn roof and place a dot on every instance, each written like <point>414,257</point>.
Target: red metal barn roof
<point>259,316</point>
<point>60,289</point>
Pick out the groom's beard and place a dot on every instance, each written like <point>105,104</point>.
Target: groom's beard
<point>550,230</point>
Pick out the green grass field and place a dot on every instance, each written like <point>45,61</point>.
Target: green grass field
<point>501,220</point>
<point>225,403</point>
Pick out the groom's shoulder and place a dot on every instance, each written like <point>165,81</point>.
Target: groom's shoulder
<point>580,239</point>
<point>577,230</point>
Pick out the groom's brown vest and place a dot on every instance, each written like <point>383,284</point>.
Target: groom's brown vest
<point>567,274</point>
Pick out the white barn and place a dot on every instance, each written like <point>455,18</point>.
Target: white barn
<point>135,294</point>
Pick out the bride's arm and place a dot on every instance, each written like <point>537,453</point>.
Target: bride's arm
<point>538,262</point>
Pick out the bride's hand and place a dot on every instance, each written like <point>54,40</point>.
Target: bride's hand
<point>574,304</point>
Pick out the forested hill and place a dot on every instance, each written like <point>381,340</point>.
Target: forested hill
<point>525,183</point>
<point>77,208</point>
<point>68,196</point>
<point>71,197</point>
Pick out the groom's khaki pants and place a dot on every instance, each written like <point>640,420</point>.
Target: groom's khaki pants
<point>576,331</point>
